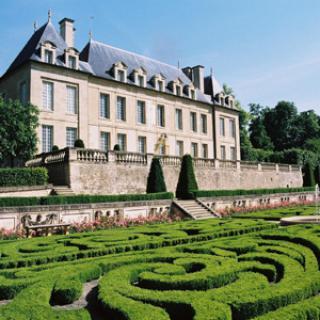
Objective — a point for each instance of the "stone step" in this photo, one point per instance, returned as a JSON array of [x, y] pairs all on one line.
[[195, 209]]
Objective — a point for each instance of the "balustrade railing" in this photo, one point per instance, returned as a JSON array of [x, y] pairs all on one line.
[[98, 156], [170, 160], [91, 155], [131, 157]]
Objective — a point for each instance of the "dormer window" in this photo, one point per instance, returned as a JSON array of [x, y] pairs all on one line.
[[160, 85], [72, 62], [159, 82], [189, 90], [231, 103], [48, 56], [71, 56], [120, 71], [192, 94], [120, 75], [141, 81], [139, 77], [48, 52], [178, 90]]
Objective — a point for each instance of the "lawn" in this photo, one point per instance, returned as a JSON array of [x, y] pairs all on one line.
[[215, 269]]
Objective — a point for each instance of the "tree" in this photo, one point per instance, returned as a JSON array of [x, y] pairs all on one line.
[[308, 177], [280, 124], [156, 182], [258, 133], [306, 127], [18, 137], [187, 181]]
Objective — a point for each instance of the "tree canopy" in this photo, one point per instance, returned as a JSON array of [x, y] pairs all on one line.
[[18, 123]]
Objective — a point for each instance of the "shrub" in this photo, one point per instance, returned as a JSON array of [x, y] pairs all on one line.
[[23, 177], [79, 143], [80, 199], [241, 192], [156, 181], [55, 148], [116, 147], [187, 180], [308, 177]]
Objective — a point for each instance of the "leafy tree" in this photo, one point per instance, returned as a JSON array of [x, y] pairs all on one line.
[[306, 127], [313, 145], [258, 133], [18, 137], [156, 182], [187, 181], [308, 177], [280, 125], [79, 143]]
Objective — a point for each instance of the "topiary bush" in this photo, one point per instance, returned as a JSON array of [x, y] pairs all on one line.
[[55, 148], [79, 144], [116, 147], [156, 182], [187, 181]]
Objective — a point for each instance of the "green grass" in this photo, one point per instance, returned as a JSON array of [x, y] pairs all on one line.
[[230, 269]]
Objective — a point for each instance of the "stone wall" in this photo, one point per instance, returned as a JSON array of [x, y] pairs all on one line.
[[95, 172], [27, 191]]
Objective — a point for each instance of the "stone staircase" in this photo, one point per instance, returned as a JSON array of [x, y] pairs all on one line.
[[62, 191], [195, 209]]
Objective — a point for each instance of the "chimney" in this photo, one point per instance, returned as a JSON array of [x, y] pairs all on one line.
[[67, 31], [198, 77]]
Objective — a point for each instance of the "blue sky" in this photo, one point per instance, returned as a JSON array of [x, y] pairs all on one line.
[[266, 50]]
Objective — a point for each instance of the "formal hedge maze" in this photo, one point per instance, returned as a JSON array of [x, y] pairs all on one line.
[[217, 269]]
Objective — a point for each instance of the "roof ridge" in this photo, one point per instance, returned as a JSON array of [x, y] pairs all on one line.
[[137, 54]]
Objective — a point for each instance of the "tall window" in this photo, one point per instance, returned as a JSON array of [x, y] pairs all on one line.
[[104, 106], [72, 99], [23, 92], [121, 108], [233, 154], [160, 116], [162, 149], [122, 141], [141, 112], [47, 95], [105, 141], [232, 128], [48, 56], [222, 127], [204, 125], [71, 137], [193, 121], [204, 151], [47, 138], [72, 62], [223, 152], [179, 148], [142, 144], [179, 125], [194, 149], [121, 75]]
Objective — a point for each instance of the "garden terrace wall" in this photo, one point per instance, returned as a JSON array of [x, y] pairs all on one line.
[[251, 201], [10, 217], [89, 171]]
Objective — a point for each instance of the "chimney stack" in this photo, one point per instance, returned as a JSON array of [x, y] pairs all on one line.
[[198, 77], [67, 31]]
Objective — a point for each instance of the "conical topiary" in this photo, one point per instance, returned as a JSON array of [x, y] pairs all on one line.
[[156, 181], [187, 181], [308, 177]]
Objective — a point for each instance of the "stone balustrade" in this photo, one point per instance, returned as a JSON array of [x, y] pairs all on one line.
[[100, 157]]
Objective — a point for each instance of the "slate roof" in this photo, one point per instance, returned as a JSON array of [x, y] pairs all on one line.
[[98, 59]]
